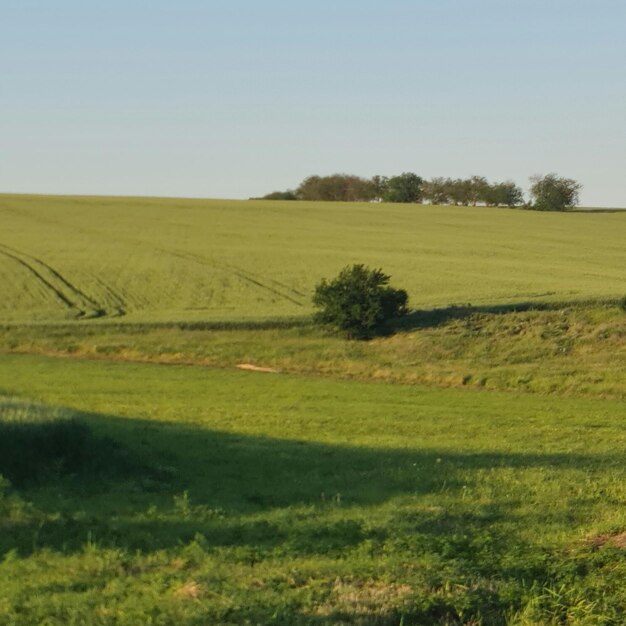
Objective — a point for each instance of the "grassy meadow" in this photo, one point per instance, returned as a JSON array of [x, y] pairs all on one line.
[[246, 498], [465, 468]]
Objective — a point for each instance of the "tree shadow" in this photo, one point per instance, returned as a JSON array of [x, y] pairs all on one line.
[[429, 318], [599, 211], [234, 490]]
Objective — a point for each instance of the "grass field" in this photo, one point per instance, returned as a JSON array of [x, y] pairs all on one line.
[[269, 499], [467, 468], [573, 349], [149, 259]]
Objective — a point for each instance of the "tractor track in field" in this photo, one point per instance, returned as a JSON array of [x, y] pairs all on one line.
[[270, 285], [59, 295], [278, 284], [63, 290], [119, 303], [278, 290]]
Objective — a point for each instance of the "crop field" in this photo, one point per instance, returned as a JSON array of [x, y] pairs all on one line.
[[161, 260], [466, 468]]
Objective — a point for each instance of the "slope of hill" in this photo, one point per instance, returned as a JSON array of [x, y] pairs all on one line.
[[139, 259]]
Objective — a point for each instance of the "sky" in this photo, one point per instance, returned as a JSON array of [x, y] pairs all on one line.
[[237, 98]]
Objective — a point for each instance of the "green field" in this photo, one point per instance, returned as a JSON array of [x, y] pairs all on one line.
[[467, 468], [265, 499], [155, 260]]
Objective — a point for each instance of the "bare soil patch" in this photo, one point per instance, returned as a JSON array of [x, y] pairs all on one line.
[[256, 368]]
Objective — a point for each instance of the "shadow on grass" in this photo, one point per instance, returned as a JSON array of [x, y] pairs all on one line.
[[235, 490], [95, 327], [39, 444], [429, 318], [599, 211]]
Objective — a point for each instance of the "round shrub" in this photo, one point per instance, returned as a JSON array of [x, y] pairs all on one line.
[[358, 301]]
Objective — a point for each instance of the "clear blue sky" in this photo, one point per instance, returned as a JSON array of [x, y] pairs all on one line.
[[236, 98]]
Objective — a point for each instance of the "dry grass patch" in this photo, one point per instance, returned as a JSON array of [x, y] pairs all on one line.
[[189, 591], [614, 540], [372, 598]]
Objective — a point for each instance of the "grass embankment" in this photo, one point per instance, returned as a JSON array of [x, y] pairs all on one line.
[[280, 499], [575, 349]]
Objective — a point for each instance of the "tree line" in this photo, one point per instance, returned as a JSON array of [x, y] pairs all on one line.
[[547, 193]]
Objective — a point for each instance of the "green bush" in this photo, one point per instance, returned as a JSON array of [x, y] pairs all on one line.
[[358, 301]]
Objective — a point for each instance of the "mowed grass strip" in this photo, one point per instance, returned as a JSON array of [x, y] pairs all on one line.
[[287, 500], [148, 259]]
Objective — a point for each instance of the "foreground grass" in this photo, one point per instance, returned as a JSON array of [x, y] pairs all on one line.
[[568, 348], [274, 499]]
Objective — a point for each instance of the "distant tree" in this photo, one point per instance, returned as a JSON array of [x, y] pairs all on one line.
[[315, 188], [359, 189], [504, 194], [436, 190], [510, 194], [458, 191], [554, 193], [358, 301], [379, 186], [477, 190], [279, 195], [407, 187], [336, 187]]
